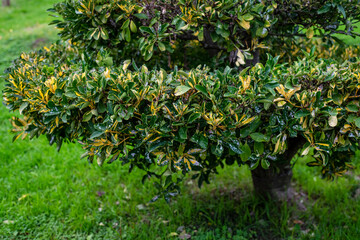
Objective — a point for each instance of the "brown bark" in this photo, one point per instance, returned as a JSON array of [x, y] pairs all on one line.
[[6, 3], [275, 182], [208, 44]]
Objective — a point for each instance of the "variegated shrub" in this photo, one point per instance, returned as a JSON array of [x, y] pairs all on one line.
[[173, 116], [195, 120]]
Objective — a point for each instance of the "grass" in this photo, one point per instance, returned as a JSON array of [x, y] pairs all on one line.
[[49, 195], [23, 27]]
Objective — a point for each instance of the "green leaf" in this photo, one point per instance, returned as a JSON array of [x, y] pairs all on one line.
[[133, 27], [182, 89], [127, 34], [259, 147], [193, 117], [96, 34], [224, 33], [218, 150], [236, 148], [183, 132], [259, 137], [200, 139], [148, 55], [246, 152], [156, 145], [87, 116], [98, 8], [265, 164], [141, 16], [351, 118], [341, 10], [302, 113], [324, 9], [357, 122], [333, 112], [248, 17], [201, 89], [201, 35], [352, 108], [261, 32], [244, 132], [145, 29], [126, 24], [214, 36], [93, 34], [96, 134], [254, 165], [104, 34], [203, 142], [161, 46]]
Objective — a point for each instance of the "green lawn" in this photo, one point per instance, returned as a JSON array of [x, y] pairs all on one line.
[[49, 195], [23, 27]]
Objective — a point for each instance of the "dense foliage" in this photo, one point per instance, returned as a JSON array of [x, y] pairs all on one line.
[[168, 120], [196, 120], [231, 30], [294, 50]]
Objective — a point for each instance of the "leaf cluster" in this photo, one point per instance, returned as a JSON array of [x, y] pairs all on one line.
[[296, 49], [232, 29]]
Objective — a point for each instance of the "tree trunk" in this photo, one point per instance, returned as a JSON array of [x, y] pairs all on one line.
[[6, 3], [275, 182]]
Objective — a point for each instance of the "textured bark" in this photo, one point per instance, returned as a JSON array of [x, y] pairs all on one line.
[[272, 183], [275, 182], [208, 44], [6, 3]]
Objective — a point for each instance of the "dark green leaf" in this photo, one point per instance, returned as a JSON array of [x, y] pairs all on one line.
[[246, 152], [259, 137], [302, 113], [193, 117], [201, 89], [96, 134]]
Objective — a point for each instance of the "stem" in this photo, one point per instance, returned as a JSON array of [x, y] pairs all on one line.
[[275, 181]]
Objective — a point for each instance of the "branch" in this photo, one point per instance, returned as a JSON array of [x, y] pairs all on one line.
[[294, 145]]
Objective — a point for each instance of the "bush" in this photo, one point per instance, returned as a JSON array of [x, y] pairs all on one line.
[[170, 121]]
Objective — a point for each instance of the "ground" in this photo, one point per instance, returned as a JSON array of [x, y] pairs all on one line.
[[49, 195]]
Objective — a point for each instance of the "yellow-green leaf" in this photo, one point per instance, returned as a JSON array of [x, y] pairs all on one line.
[[310, 33], [161, 46], [244, 24], [180, 90], [133, 27]]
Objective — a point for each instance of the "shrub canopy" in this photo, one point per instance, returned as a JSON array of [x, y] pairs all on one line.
[[196, 120], [168, 120]]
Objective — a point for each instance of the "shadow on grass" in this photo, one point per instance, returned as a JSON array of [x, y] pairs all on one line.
[[231, 213]]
